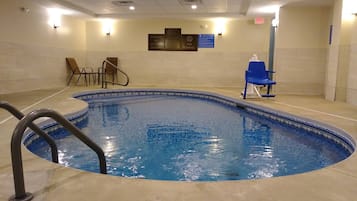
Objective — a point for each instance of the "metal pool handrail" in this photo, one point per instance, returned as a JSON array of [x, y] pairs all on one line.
[[105, 82], [16, 157], [16, 113]]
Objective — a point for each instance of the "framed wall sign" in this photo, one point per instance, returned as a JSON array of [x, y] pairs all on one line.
[[206, 41], [173, 40]]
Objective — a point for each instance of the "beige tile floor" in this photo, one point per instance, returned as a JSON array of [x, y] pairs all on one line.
[[51, 182]]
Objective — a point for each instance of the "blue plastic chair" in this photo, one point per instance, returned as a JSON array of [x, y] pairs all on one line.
[[257, 75]]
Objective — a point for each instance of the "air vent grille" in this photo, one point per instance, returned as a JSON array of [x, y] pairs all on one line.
[[190, 2], [123, 3]]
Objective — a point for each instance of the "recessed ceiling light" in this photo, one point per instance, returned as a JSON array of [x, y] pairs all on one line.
[[131, 7], [194, 6]]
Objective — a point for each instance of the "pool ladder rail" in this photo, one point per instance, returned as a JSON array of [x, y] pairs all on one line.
[[19, 115], [27, 121], [103, 74]]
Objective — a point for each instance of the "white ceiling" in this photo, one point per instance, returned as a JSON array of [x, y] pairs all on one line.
[[180, 8]]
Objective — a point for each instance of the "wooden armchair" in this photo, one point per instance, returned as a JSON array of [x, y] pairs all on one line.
[[86, 72]]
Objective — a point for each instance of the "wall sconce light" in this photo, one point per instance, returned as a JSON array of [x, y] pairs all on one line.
[[55, 18], [220, 26], [349, 9], [107, 32], [272, 9], [275, 21], [55, 26], [107, 27]]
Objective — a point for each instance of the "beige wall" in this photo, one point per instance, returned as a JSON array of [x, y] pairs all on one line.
[[352, 70], [223, 65], [31, 52], [301, 49], [333, 52], [343, 60], [341, 82]]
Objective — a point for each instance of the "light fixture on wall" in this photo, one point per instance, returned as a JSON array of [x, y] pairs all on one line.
[[107, 31], [107, 25], [349, 9], [271, 9], [56, 25], [55, 17], [220, 26], [275, 21]]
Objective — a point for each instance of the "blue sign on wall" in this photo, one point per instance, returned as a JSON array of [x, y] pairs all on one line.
[[206, 41]]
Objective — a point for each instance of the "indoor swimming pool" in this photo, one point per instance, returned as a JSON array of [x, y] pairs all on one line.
[[193, 136]]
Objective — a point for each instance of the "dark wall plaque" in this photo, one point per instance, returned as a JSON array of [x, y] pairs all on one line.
[[172, 40], [156, 42], [189, 42]]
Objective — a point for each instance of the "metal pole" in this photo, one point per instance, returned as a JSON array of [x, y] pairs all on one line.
[[16, 113], [271, 50], [16, 156], [271, 54], [103, 74], [105, 83]]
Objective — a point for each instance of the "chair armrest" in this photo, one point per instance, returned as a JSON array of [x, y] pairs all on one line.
[[269, 71]]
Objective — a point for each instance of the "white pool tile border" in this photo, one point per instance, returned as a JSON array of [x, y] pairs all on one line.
[[50, 125]]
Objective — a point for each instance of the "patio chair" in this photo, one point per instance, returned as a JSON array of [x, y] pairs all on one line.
[[71, 62], [257, 75]]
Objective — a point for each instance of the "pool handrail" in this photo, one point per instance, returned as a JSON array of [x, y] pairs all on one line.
[[105, 82], [19, 115], [16, 157]]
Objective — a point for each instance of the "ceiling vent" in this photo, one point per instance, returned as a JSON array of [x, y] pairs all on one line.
[[123, 3], [190, 2]]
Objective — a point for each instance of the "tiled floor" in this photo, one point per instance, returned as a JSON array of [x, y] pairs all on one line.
[[48, 181]]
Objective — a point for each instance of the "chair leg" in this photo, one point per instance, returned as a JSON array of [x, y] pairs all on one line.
[[245, 90], [98, 77], [268, 95], [85, 79], [113, 79], [70, 79], [78, 78], [268, 91], [88, 79], [257, 91]]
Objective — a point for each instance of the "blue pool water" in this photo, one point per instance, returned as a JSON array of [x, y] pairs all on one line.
[[189, 139]]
